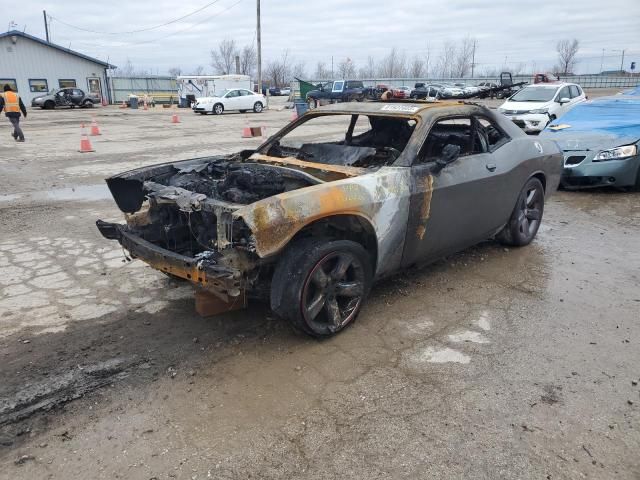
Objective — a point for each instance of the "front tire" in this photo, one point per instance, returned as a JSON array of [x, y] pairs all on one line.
[[218, 108], [257, 107], [88, 104], [319, 284], [526, 217]]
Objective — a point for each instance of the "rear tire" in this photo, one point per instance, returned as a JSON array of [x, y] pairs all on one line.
[[257, 107], [312, 103], [319, 284], [88, 104], [526, 217]]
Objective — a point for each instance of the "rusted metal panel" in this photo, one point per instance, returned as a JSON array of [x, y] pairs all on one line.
[[382, 198]]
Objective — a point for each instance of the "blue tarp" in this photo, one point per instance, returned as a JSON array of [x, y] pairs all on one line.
[[617, 116]]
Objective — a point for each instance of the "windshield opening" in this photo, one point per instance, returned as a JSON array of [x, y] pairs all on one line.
[[350, 140], [536, 94]]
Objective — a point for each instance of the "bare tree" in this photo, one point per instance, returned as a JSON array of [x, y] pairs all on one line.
[[278, 71], [175, 71], [446, 60], [393, 65], [299, 70], [464, 57], [248, 60], [198, 70], [321, 73], [417, 67], [129, 70], [346, 68], [223, 58], [567, 50], [369, 69]]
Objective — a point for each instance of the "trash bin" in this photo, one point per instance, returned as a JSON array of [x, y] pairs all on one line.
[[133, 102], [301, 106]]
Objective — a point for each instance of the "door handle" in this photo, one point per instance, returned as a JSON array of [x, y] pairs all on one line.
[[491, 167]]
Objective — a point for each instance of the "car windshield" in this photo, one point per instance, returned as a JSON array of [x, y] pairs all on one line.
[[346, 139], [536, 94]]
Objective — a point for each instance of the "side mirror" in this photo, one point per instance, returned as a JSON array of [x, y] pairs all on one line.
[[450, 154], [564, 100]]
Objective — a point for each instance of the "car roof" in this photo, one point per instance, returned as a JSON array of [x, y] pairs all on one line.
[[550, 85], [394, 108]]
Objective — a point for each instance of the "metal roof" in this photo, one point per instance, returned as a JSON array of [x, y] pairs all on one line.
[[17, 33], [391, 107]]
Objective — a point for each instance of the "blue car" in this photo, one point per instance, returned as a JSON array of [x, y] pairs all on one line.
[[600, 140]]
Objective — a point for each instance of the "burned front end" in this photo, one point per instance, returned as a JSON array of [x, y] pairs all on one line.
[[180, 219]]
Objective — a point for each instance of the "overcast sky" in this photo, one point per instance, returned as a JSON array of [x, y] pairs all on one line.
[[507, 32]]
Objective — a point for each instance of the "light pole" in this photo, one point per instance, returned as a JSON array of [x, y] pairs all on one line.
[[259, 42]]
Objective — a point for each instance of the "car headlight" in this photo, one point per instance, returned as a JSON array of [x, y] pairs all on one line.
[[617, 153], [540, 110]]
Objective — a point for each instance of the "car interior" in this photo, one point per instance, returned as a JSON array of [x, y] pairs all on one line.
[[366, 141]]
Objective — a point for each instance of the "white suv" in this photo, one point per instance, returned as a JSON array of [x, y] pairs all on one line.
[[534, 106]]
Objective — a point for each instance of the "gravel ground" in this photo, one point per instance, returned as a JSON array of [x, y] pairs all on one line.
[[493, 363]]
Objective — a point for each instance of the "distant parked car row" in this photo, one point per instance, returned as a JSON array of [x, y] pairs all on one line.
[[279, 91]]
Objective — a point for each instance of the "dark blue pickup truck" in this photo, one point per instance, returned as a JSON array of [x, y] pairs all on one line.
[[336, 91]]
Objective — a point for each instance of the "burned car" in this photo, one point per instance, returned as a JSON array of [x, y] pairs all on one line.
[[343, 196]]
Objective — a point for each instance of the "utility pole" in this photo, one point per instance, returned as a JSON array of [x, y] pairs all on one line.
[[237, 64], [331, 67], [473, 58], [602, 61], [259, 41], [46, 25], [622, 62]]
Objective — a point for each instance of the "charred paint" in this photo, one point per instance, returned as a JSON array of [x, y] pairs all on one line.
[[426, 185]]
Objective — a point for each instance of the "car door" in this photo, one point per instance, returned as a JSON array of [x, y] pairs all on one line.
[[232, 100], [247, 99], [76, 96], [462, 204], [576, 95], [564, 107]]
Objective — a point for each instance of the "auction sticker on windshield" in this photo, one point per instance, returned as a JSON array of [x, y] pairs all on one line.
[[399, 108]]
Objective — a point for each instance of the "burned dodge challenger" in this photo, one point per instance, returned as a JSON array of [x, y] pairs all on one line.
[[343, 196]]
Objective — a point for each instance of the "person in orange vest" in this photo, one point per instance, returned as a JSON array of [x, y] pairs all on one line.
[[12, 104]]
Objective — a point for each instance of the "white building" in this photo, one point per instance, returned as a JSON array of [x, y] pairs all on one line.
[[33, 66]]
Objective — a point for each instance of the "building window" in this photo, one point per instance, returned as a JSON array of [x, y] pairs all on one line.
[[8, 81], [38, 85], [67, 83]]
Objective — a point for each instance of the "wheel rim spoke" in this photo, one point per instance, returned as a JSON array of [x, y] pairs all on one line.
[[341, 267], [348, 289], [333, 311], [530, 197], [533, 214], [315, 306], [320, 278]]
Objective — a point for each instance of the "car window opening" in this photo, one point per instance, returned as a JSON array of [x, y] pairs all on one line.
[[366, 141]]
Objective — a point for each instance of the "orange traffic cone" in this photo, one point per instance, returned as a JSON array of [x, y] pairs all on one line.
[[145, 106], [85, 144], [263, 133], [246, 130], [175, 118], [104, 102], [95, 130], [294, 114], [124, 105]]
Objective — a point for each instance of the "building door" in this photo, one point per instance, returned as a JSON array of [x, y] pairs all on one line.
[[94, 86]]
